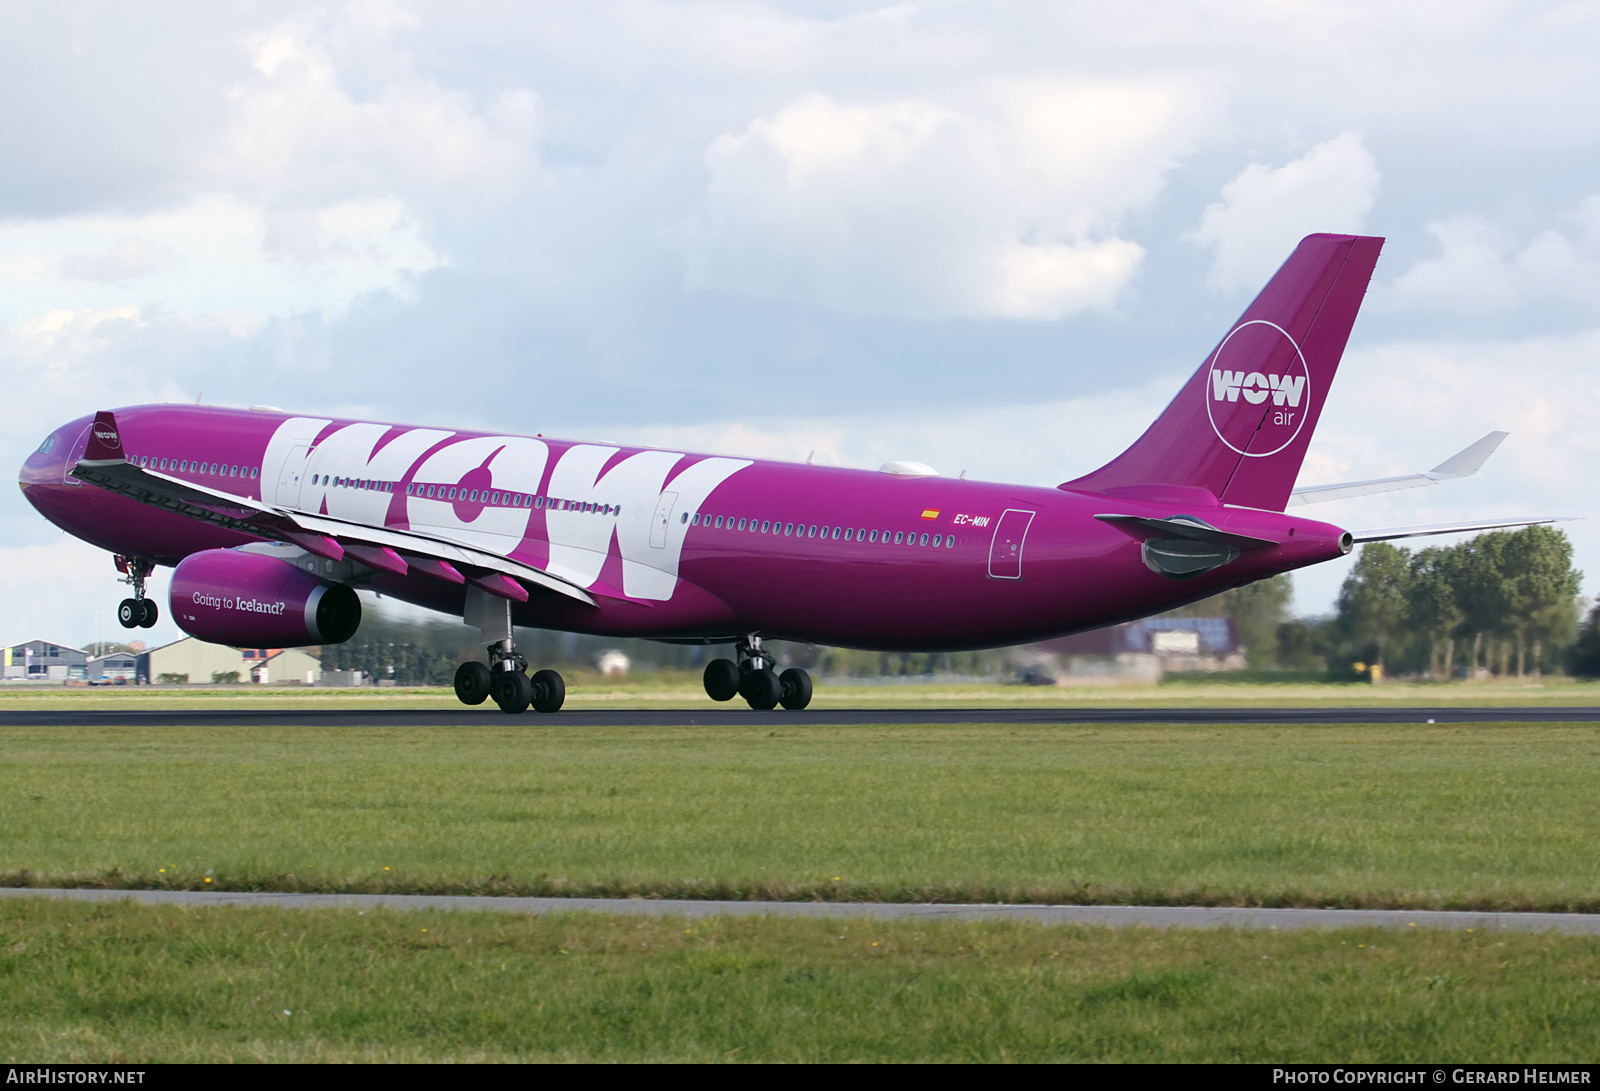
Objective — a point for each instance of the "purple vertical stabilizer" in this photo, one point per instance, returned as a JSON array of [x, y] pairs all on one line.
[[1240, 426]]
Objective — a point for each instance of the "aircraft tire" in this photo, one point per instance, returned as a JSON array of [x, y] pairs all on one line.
[[512, 691], [549, 691], [761, 689], [794, 687], [128, 613], [472, 683], [722, 680], [149, 613]]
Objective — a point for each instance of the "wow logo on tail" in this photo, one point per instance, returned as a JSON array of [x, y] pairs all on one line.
[[1259, 389]]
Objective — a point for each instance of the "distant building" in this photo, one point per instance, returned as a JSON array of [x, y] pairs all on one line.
[[283, 666], [191, 661], [42, 661], [113, 667], [1150, 647]]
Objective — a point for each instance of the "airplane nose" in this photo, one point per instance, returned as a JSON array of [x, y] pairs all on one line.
[[49, 462]]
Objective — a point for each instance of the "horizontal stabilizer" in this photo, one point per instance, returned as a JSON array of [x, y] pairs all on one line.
[[1386, 534], [1463, 464], [1180, 526]]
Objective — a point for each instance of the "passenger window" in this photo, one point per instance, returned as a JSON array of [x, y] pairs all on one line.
[[923, 540], [899, 536], [741, 524], [849, 534], [788, 528], [872, 536], [254, 470], [452, 494], [949, 541], [836, 534], [765, 526]]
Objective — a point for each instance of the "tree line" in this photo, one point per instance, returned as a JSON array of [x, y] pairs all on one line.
[[1501, 604]]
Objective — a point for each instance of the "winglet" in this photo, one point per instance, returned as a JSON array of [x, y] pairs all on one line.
[[105, 442], [1470, 461]]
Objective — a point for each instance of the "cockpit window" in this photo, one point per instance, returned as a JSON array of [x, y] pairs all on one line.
[[48, 444]]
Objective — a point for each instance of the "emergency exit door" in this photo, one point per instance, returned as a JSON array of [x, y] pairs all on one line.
[[1005, 552]]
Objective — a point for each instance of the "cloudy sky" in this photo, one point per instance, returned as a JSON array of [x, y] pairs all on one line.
[[989, 236]]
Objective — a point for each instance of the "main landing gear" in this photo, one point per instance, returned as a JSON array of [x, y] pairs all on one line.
[[756, 680], [137, 612], [505, 678]]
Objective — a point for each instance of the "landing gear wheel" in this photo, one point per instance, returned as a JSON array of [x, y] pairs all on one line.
[[512, 691], [149, 613], [761, 689], [549, 691], [722, 680], [794, 687], [129, 613], [472, 683]]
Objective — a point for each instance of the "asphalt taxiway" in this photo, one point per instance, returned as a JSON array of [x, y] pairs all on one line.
[[1114, 916], [739, 717]]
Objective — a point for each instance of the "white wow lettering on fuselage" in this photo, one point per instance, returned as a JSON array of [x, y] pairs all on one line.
[[635, 503]]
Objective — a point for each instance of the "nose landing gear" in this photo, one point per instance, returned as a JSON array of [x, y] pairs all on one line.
[[137, 612], [755, 679]]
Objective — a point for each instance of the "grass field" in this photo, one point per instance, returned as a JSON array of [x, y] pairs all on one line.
[[1416, 816], [124, 983], [676, 690]]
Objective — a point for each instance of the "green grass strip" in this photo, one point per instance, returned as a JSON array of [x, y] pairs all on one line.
[[128, 984], [1487, 817]]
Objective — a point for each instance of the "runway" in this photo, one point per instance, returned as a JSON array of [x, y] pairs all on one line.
[[736, 717], [1113, 916]]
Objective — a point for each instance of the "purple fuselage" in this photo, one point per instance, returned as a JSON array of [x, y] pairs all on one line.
[[680, 546]]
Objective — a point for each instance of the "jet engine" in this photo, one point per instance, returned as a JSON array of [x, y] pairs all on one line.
[[229, 596]]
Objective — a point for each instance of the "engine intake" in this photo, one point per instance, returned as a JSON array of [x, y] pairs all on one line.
[[228, 596]]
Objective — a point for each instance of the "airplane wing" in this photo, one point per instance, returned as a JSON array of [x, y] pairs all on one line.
[[382, 548], [1463, 464], [1386, 534]]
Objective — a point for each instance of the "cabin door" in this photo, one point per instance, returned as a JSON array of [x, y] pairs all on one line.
[[1005, 552], [663, 518], [294, 472]]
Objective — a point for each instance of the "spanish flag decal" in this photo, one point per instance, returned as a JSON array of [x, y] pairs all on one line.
[[931, 513]]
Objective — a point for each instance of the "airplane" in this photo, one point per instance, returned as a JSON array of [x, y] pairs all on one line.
[[271, 520]]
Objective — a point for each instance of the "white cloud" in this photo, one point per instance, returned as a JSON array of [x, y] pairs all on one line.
[[1008, 201], [296, 128], [1481, 267], [1266, 210], [214, 255]]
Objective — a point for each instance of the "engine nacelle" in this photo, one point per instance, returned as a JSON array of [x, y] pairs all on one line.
[[228, 596]]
